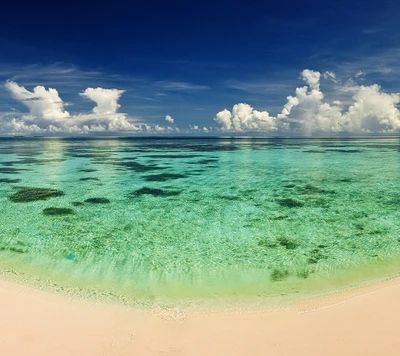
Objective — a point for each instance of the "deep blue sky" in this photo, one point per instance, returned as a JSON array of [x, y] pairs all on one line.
[[220, 53]]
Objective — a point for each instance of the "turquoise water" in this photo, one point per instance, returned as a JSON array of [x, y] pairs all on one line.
[[198, 218]]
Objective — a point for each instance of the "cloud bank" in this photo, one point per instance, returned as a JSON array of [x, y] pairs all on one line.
[[48, 116], [350, 108], [371, 111]]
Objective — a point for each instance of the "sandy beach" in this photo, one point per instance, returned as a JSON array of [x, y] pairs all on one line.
[[362, 321]]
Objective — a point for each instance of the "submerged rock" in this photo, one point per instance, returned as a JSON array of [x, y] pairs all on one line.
[[88, 170], [138, 167], [290, 203], [10, 170], [279, 274], [163, 177], [97, 200], [34, 194], [156, 192], [88, 178], [57, 211], [6, 180]]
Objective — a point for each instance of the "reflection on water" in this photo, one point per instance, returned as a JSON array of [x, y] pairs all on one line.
[[198, 217]]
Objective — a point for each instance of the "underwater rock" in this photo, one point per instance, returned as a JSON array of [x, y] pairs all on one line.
[[286, 242], [205, 161], [172, 156], [228, 197], [312, 189], [279, 274], [97, 200], [163, 177], [88, 178], [13, 249], [6, 180], [290, 203], [33, 194], [315, 255], [138, 167], [10, 170], [57, 211], [87, 170], [156, 192]]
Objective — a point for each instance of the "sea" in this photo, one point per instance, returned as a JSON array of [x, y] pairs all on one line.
[[201, 218]]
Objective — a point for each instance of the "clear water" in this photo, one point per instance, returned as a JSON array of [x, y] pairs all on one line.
[[200, 218]]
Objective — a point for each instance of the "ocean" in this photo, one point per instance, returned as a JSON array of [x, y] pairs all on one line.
[[200, 218]]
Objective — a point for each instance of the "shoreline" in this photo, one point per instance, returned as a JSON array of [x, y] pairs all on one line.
[[358, 320]]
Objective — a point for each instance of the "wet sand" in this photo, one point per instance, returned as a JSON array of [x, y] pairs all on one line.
[[362, 321]]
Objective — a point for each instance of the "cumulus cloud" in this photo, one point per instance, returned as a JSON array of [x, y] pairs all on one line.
[[47, 114], [244, 118], [106, 99], [371, 110], [169, 119], [42, 103], [19, 127]]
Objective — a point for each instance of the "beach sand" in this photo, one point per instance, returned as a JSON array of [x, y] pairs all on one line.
[[361, 321]]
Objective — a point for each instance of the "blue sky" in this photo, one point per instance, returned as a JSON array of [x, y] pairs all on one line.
[[193, 60]]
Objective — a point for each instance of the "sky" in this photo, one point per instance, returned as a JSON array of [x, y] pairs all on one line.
[[210, 68]]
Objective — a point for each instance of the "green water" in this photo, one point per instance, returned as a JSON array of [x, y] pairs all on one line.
[[199, 218]]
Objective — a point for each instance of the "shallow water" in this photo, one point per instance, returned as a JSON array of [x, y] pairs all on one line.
[[199, 218]]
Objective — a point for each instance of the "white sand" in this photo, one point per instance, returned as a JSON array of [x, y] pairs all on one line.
[[359, 322]]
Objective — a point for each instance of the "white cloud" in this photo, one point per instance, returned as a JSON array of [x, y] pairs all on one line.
[[42, 103], [106, 99], [47, 114], [330, 76], [311, 78], [18, 127], [169, 119], [371, 110], [244, 118]]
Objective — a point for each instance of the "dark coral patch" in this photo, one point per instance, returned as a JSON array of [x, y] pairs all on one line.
[[343, 150], [171, 156], [10, 170], [312, 189], [163, 177], [138, 167], [286, 242], [290, 203], [6, 180], [34, 194], [97, 200], [14, 249], [279, 274], [228, 197], [87, 170], [88, 178], [315, 255], [57, 211], [156, 192], [205, 161], [213, 148], [345, 180]]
